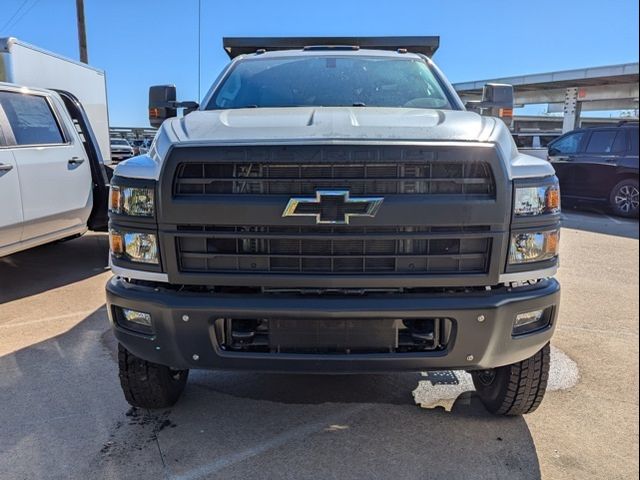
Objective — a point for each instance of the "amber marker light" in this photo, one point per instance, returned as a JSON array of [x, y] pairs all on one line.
[[116, 242]]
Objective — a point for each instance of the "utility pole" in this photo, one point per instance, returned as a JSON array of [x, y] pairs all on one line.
[[82, 31]]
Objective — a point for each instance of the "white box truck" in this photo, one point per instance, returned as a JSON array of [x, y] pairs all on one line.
[[54, 142]]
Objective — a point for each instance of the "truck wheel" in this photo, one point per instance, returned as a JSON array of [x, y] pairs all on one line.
[[625, 199], [514, 389], [149, 385]]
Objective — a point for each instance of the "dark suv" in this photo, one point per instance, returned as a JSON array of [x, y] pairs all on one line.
[[599, 164]]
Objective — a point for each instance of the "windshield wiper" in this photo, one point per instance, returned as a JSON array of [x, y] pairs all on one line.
[[358, 104]]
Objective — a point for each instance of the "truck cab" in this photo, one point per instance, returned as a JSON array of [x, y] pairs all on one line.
[[332, 207]]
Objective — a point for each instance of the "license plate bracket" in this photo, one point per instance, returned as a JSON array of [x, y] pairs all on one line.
[[333, 335]]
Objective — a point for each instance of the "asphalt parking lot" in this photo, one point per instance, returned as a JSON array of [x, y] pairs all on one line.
[[62, 414]]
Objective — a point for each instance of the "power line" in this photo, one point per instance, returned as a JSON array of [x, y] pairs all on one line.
[[199, 40], [14, 15], [24, 14]]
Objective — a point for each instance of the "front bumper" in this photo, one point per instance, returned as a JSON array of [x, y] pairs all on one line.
[[193, 344]]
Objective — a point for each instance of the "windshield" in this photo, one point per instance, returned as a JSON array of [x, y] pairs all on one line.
[[328, 81]]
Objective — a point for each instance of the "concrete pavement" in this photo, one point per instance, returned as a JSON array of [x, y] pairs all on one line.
[[62, 414]]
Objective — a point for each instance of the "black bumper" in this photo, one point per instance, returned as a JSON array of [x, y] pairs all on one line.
[[193, 343]]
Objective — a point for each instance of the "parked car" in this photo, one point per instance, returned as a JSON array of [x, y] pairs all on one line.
[[334, 209], [53, 184], [140, 145], [121, 149], [599, 164]]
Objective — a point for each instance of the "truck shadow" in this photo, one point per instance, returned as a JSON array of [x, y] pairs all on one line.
[[239, 425], [51, 266], [321, 426]]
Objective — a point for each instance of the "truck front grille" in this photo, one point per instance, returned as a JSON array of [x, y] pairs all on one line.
[[400, 177], [337, 250]]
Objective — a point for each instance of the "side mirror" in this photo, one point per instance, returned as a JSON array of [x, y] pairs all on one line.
[[497, 101], [163, 104], [162, 100]]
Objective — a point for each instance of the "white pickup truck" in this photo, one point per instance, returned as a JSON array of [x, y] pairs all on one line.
[[53, 139]]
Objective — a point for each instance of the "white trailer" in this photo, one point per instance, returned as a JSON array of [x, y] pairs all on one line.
[[30, 66]]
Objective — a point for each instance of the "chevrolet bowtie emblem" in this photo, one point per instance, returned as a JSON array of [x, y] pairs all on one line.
[[332, 206]]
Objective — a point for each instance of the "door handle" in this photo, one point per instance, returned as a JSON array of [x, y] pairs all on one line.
[[75, 161], [5, 168]]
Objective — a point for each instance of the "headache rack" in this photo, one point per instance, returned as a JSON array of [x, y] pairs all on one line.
[[235, 46]]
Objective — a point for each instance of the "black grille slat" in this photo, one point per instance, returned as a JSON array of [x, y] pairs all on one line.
[[338, 250], [402, 178]]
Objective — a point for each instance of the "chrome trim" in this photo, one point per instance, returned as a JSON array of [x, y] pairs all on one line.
[[528, 275], [372, 208], [138, 274]]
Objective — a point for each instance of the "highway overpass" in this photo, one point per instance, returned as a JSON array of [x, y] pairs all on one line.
[[612, 87]]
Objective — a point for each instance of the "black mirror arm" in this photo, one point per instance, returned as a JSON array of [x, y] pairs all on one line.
[[187, 105], [481, 104]]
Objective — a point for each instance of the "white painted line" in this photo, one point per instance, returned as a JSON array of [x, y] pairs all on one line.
[[614, 220], [563, 375]]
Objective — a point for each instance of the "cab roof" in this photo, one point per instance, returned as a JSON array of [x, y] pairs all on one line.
[[235, 46]]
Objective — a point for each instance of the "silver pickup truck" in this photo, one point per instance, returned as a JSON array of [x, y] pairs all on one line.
[[332, 207]]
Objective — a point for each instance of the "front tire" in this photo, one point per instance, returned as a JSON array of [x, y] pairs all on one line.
[[147, 384], [515, 389], [625, 198]]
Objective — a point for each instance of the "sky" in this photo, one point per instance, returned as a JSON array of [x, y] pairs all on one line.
[[145, 42]]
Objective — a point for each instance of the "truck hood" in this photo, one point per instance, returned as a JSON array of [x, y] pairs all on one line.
[[335, 123], [331, 124]]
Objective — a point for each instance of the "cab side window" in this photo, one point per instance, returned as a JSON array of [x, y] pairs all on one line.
[[633, 135], [620, 142], [567, 145], [31, 119], [606, 141], [3, 141], [4, 129]]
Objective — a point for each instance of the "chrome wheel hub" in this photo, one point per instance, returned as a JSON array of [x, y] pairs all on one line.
[[627, 198]]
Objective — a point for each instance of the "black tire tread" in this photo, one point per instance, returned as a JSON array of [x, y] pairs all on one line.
[[522, 385], [147, 384]]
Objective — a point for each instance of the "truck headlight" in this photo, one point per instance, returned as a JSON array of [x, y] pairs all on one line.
[[537, 199], [528, 247], [135, 246], [134, 201]]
